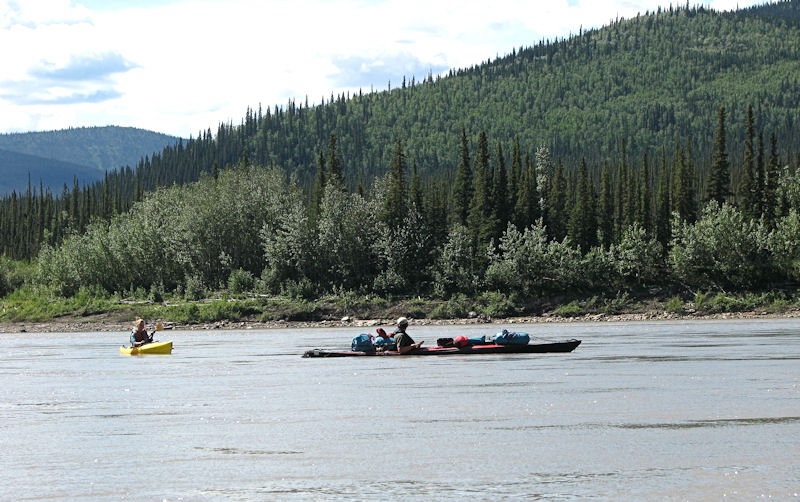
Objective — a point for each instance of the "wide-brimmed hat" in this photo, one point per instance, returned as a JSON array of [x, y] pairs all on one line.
[[402, 321]]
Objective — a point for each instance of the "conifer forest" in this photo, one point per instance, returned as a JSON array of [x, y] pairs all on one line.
[[656, 154]]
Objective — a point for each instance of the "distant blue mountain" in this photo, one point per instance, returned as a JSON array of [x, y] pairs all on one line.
[[16, 167], [56, 157]]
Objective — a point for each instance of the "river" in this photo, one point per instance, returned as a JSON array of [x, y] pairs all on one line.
[[700, 410]]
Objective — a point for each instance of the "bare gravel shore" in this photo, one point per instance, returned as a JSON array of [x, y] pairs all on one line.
[[103, 324]]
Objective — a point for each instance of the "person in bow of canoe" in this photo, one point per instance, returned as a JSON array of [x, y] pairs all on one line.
[[139, 335], [405, 343]]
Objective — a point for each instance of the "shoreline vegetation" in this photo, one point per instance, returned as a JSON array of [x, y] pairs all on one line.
[[476, 197], [275, 313]]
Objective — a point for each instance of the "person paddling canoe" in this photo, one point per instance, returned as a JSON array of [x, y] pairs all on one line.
[[139, 335], [405, 343]]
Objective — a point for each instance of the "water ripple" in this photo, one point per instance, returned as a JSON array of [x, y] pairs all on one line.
[[722, 422]]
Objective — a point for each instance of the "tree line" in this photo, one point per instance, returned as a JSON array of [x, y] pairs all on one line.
[[656, 79], [519, 222]]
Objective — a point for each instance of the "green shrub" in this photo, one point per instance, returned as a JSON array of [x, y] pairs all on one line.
[[240, 281], [156, 293], [498, 305], [13, 274], [456, 307], [5, 288], [572, 309], [722, 249], [777, 305], [295, 310], [700, 301], [440, 311], [724, 303], [617, 305], [303, 289], [674, 305], [195, 290], [348, 298], [29, 303], [185, 313]]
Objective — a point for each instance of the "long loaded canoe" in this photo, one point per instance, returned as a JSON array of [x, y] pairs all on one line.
[[536, 347], [149, 348]]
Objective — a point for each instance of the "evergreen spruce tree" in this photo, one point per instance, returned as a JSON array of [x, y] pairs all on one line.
[[557, 203], [319, 190], [571, 182], [629, 193], [334, 164], [27, 232], [521, 201], [415, 191], [105, 211], [544, 172], [761, 176], [435, 204], [619, 203], [463, 184], [628, 198], [693, 190], [749, 191], [516, 172], [535, 197], [663, 231], [645, 210], [12, 239], [42, 211], [771, 183], [683, 199], [582, 227], [526, 209], [501, 213], [395, 208], [74, 206], [606, 218], [719, 178], [481, 221]]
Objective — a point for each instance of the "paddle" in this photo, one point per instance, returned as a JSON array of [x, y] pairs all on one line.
[[159, 327]]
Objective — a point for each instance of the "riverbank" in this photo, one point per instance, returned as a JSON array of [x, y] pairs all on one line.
[[112, 323]]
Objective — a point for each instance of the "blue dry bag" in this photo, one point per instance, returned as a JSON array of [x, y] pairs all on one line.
[[509, 338], [362, 343], [387, 342]]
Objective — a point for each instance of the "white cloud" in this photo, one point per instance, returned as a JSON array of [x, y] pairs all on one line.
[[186, 66]]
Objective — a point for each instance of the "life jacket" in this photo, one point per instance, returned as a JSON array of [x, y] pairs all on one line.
[[141, 336]]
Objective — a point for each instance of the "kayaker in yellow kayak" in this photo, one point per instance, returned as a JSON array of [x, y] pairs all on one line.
[[139, 335]]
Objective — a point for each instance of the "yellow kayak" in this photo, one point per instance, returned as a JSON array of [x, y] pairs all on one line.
[[149, 348]]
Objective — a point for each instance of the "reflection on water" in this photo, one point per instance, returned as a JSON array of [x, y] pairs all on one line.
[[676, 410], [727, 422]]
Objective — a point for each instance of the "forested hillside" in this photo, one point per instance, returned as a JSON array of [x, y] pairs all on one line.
[[56, 157], [657, 153], [654, 80], [16, 169]]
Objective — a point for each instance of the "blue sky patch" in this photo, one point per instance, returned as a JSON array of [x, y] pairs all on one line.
[[358, 71], [91, 67]]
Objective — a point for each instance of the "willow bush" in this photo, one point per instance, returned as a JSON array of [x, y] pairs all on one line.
[[203, 230]]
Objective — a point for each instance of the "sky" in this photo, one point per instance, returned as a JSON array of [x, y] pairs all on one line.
[[179, 67]]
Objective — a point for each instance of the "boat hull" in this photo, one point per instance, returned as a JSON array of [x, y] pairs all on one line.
[[150, 348], [531, 348]]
